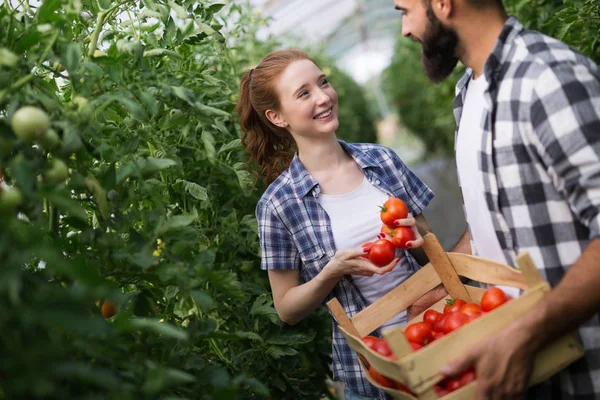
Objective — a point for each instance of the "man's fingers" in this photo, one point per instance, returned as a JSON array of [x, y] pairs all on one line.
[[460, 364]]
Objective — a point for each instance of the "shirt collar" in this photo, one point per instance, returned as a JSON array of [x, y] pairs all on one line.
[[303, 181], [491, 68]]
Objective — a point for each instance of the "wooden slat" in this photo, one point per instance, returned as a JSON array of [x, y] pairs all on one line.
[[444, 268], [340, 316], [397, 342], [396, 300], [529, 270], [486, 271]]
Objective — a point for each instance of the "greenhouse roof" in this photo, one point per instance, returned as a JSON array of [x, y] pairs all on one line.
[[359, 34]]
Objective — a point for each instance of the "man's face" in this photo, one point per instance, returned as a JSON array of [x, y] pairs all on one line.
[[438, 42]]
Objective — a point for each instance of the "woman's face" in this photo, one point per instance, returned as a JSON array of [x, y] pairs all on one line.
[[307, 102]]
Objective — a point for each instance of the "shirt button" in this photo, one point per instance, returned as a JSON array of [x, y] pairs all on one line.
[[377, 182]]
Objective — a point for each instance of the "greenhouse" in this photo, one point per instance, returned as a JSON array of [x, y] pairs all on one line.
[[299, 200]]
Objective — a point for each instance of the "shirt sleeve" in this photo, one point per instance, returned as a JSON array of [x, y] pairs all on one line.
[[278, 251], [565, 122], [418, 193]]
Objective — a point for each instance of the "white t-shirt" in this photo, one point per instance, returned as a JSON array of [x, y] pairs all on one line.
[[468, 149], [355, 220]]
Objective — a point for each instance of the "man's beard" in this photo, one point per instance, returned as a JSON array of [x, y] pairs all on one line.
[[438, 55]]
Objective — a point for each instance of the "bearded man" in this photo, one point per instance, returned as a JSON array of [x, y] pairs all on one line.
[[528, 159]]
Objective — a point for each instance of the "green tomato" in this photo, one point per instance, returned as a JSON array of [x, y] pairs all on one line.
[[30, 123], [51, 139], [58, 172], [84, 109], [10, 199]]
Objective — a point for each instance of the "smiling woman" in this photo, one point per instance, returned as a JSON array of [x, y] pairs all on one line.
[[323, 200]]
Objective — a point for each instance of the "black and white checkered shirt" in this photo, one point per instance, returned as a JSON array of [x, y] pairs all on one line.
[[540, 164]]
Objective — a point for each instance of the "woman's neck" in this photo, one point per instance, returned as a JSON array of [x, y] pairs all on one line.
[[319, 157]]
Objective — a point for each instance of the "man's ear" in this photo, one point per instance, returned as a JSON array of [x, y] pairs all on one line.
[[443, 9], [276, 118]]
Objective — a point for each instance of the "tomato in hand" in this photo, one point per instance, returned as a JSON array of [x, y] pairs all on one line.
[[493, 298], [382, 252], [370, 341], [431, 317], [386, 230], [419, 332], [392, 210], [454, 321], [401, 236], [471, 309], [453, 305]]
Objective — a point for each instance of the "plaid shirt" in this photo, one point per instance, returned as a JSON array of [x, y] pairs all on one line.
[[540, 164], [295, 233]]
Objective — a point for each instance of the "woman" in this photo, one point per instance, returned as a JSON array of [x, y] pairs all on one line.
[[322, 202]]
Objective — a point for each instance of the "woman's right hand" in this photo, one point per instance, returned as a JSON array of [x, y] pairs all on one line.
[[353, 262]]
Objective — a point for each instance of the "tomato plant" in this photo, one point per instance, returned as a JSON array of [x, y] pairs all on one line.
[[382, 252], [392, 210]]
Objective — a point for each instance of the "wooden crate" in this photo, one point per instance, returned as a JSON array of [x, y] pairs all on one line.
[[419, 370]]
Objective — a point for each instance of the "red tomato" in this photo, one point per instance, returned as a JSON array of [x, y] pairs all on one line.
[[439, 324], [382, 252], [382, 380], [402, 235], [402, 387], [453, 305], [381, 347], [386, 230], [437, 335], [392, 210], [493, 298], [471, 309], [431, 317], [370, 341], [440, 390], [454, 321], [453, 384], [467, 377], [415, 346], [419, 332]]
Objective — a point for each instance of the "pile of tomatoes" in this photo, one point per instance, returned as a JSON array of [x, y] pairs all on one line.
[[381, 252], [435, 325]]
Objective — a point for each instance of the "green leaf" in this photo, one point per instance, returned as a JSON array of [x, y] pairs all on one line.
[[46, 12], [281, 351], [175, 223], [209, 146], [244, 177], [197, 191], [161, 52], [71, 56], [154, 325], [66, 204], [179, 11], [211, 111], [8, 58], [160, 378], [263, 306], [90, 375], [291, 339], [235, 144], [204, 300]]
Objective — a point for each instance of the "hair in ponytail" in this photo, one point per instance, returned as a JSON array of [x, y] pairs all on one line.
[[266, 144]]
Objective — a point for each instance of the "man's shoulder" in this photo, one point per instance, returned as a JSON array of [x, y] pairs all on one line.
[[536, 53]]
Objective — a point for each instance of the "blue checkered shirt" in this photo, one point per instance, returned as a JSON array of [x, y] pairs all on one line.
[[540, 166], [295, 233]]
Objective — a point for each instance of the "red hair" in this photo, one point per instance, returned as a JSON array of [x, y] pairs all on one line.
[[266, 144]]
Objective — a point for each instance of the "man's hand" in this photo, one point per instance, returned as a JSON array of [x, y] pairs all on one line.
[[503, 364], [426, 301]]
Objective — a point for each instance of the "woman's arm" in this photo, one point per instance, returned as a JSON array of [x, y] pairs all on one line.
[[295, 301]]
